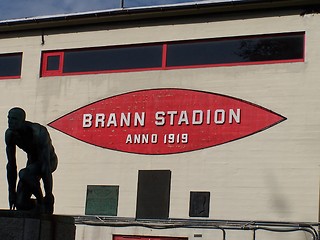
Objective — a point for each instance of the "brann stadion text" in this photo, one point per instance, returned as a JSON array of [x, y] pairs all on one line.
[[161, 119]]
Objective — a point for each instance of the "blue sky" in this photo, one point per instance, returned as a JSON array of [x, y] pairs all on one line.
[[13, 9]]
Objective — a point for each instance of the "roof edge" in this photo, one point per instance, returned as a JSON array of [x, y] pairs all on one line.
[[124, 14]]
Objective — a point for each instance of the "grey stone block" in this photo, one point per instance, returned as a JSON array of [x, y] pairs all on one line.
[[20, 225]]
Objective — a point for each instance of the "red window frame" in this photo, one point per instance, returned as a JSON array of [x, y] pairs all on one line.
[[9, 77], [137, 237], [59, 72], [48, 73]]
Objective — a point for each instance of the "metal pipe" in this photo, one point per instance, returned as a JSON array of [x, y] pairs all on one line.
[[223, 225]]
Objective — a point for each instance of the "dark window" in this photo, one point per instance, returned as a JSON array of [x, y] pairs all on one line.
[[199, 204], [10, 65], [112, 59], [238, 50], [102, 200], [53, 63], [153, 194]]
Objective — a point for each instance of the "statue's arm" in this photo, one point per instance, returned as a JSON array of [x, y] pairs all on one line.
[[11, 168], [44, 153]]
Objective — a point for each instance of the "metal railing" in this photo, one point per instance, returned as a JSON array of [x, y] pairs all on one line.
[[222, 225]]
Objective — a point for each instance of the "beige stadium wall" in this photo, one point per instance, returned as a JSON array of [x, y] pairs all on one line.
[[272, 175]]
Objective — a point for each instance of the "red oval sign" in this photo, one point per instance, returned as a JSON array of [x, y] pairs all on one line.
[[165, 121]]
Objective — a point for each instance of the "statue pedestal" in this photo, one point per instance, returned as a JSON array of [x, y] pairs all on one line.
[[21, 225]]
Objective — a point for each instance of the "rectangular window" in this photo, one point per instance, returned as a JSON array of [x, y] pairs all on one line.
[[236, 51], [52, 63], [153, 194], [199, 204], [102, 60], [98, 60], [10, 65], [102, 200], [229, 51]]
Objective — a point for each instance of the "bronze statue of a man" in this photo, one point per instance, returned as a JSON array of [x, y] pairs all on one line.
[[42, 160]]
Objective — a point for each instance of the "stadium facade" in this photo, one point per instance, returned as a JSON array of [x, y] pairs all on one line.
[[175, 122]]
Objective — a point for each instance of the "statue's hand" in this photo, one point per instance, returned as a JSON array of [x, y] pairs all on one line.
[[12, 200]]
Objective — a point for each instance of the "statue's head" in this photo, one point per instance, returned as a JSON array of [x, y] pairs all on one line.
[[16, 118]]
